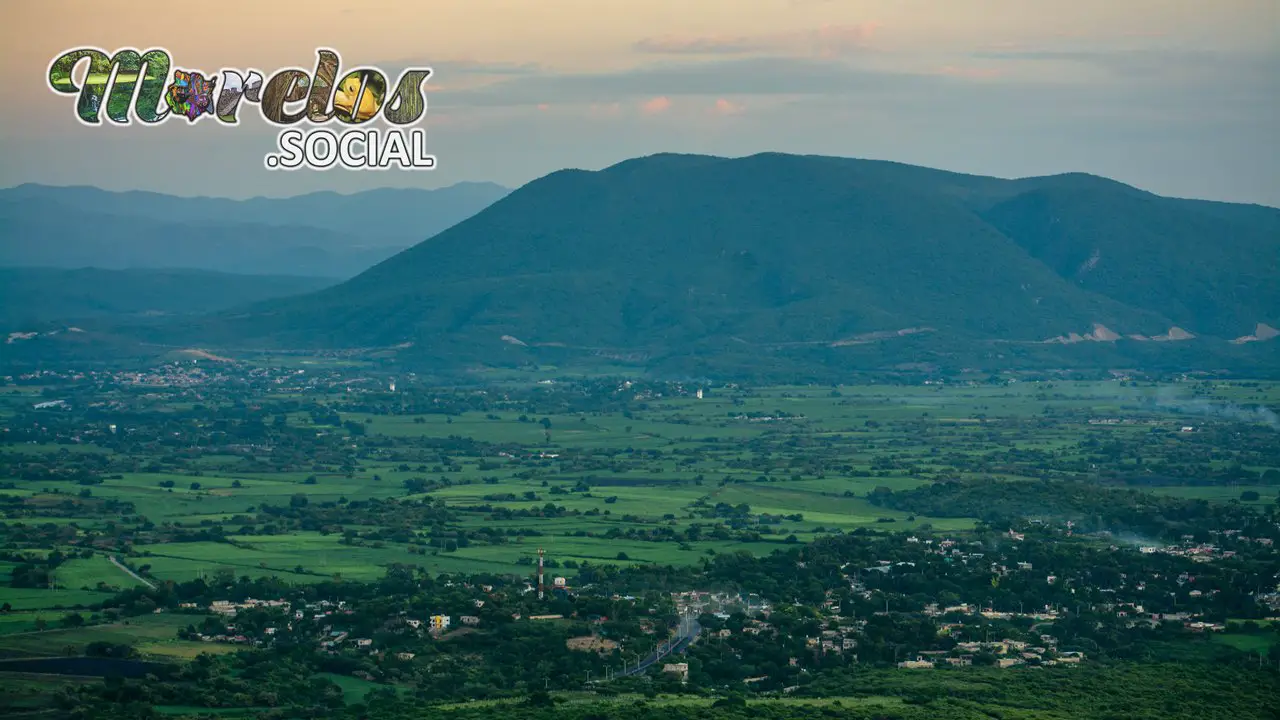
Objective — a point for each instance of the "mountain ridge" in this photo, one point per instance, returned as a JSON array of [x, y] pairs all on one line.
[[324, 234], [669, 253]]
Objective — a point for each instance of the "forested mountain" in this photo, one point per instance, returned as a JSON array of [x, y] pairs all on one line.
[[693, 256], [32, 296]]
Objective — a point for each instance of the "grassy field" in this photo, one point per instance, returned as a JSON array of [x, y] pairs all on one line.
[[156, 632], [659, 467]]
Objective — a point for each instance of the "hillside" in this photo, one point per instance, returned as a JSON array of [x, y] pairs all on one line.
[[730, 260], [320, 234], [33, 297]]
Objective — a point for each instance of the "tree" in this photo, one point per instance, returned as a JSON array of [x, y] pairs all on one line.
[[1249, 496]]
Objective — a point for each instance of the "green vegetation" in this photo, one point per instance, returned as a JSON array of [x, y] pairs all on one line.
[[34, 297], [778, 267], [273, 539]]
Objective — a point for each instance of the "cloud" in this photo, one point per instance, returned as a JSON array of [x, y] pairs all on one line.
[[827, 41], [970, 73], [726, 107], [721, 78], [459, 68], [605, 109], [656, 105], [543, 107], [1148, 62]]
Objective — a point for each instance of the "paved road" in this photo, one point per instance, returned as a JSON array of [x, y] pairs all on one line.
[[685, 634], [132, 574]]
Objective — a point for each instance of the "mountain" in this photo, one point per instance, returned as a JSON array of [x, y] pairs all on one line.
[[31, 298], [319, 234], [1211, 267], [704, 263]]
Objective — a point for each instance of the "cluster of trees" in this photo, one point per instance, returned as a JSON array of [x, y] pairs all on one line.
[[1090, 506]]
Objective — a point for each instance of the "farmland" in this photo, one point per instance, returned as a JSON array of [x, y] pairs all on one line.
[[140, 498], [595, 473]]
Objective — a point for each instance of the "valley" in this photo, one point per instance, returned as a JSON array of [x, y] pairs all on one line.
[[141, 507]]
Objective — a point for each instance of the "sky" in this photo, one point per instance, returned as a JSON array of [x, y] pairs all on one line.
[[1180, 97]]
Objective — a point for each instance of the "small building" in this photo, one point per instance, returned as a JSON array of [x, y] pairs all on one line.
[[679, 669], [440, 622], [470, 620]]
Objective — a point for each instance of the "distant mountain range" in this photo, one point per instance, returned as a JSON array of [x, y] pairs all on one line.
[[320, 234], [805, 266], [33, 297]]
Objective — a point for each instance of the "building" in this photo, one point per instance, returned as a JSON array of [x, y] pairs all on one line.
[[440, 622], [679, 669]]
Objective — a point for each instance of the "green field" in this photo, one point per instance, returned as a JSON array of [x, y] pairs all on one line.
[[805, 456], [157, 633]]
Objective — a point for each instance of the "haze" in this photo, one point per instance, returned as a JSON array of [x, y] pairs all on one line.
[[1179, 98]]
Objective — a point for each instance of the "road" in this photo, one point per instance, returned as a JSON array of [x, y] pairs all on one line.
[[687, 631], [132, 574]]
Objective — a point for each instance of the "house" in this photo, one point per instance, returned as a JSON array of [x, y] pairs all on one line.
[[470, 620], [917, 664], [1008, 662], [679, 669], [962, 661], [415, 624], [222, 607], [439, 622], [363, 642], [404, 656]]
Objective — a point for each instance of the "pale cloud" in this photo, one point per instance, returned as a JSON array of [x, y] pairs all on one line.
[[739, 76], [972, 73], [612, 109], [726, 107], [655, 106], [827, 41], [543, 107]]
